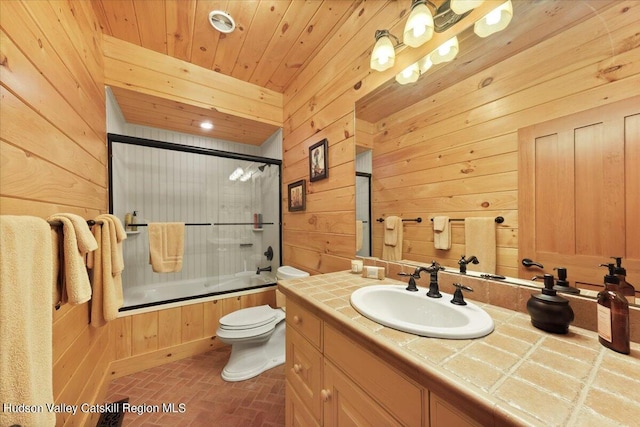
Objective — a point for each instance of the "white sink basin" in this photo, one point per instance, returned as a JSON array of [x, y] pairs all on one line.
[[416, 313]]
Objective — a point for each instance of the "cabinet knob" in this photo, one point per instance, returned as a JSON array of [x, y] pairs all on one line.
[[325, 394], [297, 320], [297, 368]]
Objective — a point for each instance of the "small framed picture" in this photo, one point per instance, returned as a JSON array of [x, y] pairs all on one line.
[[318, 168], [297, 196]]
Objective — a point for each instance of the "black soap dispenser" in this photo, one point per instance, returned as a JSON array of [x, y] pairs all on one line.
[[549, 311], [625, 288], [562, 284]]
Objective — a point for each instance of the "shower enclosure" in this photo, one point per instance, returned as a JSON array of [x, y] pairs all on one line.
[[229, 202]]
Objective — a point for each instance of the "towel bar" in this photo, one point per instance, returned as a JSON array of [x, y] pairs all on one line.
[[498, 219], [418, 220]]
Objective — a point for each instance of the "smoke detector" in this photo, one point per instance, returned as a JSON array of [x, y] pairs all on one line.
[[221, 21]]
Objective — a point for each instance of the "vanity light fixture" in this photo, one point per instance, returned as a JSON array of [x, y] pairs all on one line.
[[462, 6], [383, 55], [494, 21], [206, 125], [446, 51], [419, 27], [409, 74]]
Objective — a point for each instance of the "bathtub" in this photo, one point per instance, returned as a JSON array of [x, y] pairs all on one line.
[[169, 292]]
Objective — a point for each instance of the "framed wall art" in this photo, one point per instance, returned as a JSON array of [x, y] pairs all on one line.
[[297, 196], [318, 168]]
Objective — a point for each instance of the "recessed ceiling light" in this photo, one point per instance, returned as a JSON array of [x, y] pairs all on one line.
[[206, 125], [221, 21]]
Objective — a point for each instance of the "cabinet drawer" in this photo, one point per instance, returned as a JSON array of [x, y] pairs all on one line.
[[307, 324], [396, 393], [303, 365]]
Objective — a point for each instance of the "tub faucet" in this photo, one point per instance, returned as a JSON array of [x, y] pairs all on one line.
[[463, 263], [263, 269]]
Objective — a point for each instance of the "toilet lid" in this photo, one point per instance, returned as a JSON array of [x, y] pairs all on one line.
[[248, 318]]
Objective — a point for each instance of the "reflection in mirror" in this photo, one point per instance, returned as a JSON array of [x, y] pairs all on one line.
[[363, 214], [448, 145], [363, 204]]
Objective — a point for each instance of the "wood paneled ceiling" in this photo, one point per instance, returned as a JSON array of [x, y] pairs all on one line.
[[274, 39], [271, 42]]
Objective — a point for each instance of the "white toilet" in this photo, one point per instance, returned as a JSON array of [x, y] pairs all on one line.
[[256, 336]]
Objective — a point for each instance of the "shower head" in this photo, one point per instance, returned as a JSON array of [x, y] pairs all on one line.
[[261, 168]]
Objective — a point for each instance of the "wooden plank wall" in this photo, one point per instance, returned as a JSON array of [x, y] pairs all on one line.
[[455, 153], [145, 340], [320, 104], [53, 158]]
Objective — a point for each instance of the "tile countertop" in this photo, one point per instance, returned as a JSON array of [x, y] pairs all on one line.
[[518, 373]]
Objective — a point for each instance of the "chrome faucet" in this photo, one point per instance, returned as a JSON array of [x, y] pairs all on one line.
[[263, 269], [463, 263]]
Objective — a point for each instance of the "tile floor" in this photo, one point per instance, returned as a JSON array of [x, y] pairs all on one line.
[[207, 400]]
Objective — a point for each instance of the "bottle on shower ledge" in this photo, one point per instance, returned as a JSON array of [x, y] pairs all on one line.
[[134, 219], [613, 315], [624, 287]]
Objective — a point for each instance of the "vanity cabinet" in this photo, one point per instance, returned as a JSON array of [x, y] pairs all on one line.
[[444, 415], [332, 381], [303, 364]]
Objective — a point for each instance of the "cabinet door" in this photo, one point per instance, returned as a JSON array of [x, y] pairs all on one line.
[[578, 187], [444, 415], [345, 404], [303, 365], [296, 413]]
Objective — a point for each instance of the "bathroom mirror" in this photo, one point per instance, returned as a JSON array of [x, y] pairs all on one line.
[[448, 144]]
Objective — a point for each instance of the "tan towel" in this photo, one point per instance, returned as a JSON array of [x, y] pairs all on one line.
[[106, 266], [26, 373], [480, 240], [441, 232], [76, 241], [392, 247], [359, 225], [391, 229], [166, 246]]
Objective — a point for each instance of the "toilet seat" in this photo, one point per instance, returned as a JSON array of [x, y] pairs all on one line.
[[253, 322], [248, 318]]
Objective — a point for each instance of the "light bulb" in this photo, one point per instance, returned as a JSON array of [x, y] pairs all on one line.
[[445, 52], [383, 54], [463, 6], [494, 21], [419, 27], [409, 74], [425, 64]]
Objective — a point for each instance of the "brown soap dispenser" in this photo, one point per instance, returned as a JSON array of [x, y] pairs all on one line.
[[625, 288], [613, 315], [549, 311]]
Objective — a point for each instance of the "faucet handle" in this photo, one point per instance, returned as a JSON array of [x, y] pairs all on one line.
[[412, 284], [458, 298]]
